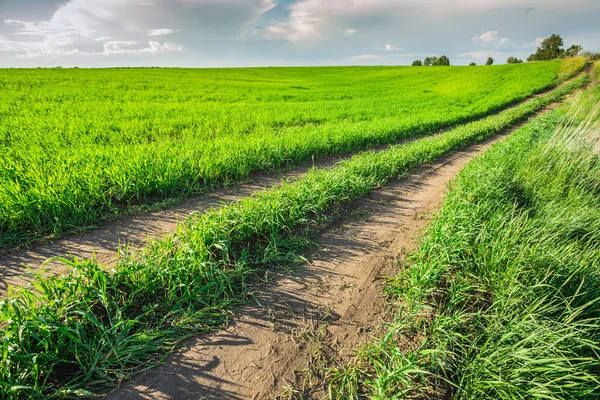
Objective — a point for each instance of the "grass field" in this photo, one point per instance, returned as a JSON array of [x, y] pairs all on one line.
[[502, 298], [80, 146], [93, 328]]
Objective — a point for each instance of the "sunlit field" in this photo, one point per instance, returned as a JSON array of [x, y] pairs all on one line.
[[80, 146], [93, 326]]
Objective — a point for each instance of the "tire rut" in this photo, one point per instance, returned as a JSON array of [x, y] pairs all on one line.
[[336, 298]]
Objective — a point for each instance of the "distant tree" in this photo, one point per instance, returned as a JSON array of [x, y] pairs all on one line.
[[489, 61], [433, 60], [549, 49], [427, 61], [417, 63], [443, 60], [472, 64], [514, 60], [573, 51]]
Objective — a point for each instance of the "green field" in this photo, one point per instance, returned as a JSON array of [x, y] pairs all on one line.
[[505, 285], [94, 327], [80, 146]]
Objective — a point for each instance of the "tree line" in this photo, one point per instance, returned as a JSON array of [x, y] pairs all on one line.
[[550, 48], [431, 61]]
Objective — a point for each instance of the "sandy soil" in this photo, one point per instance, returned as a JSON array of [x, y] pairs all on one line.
[[324, 309]]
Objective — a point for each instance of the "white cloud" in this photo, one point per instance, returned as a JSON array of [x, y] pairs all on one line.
[[536, 43], [109, 48], [350, 32], [389, 47], [313, 19], [161, 32], [81, 26], [126, 47], [492, 39]]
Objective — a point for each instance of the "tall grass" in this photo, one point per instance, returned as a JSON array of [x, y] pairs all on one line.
[[80, 146], [570, 66], [93, 327], [505, 287]]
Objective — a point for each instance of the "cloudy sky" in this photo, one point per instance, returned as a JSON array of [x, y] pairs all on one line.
[[210, 33]]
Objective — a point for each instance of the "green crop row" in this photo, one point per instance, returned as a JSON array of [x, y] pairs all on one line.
[[505, 286], [94, 328], [80, 146]]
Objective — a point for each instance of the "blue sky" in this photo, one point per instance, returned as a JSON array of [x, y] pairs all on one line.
[[215, 33]]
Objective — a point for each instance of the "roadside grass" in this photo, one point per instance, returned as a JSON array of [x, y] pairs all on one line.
[[502, 299], [83, 146], [570, 66], [92, 328]]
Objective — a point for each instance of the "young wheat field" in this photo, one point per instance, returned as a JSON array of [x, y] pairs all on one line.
[[498, 299], [80, 146]]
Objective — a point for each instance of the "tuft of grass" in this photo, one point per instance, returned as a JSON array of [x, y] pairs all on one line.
[[502, 299], [92, 328], [571, 66]]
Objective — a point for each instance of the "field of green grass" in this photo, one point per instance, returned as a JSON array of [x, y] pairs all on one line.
[[80, 146], [94, 327], [502, 299]]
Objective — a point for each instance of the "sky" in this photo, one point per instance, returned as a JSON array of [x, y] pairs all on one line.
[[242, 33]]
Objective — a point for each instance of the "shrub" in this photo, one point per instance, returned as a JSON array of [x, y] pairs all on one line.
[[513, 60]]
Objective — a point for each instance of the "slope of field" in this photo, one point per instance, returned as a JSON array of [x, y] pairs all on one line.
[[502, 300], [94, 327], [85, 145]]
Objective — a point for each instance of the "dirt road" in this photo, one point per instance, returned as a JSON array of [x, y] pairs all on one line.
[[327, 307]]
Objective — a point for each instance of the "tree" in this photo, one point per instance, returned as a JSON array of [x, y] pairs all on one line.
[[433, 60], [489, 61], [574, 50], [549, 49], [514, 60], [472, 64], [443, 60], [417, 63], [427, 61]]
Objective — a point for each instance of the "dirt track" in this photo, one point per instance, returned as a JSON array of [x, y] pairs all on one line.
[[329, 305]]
